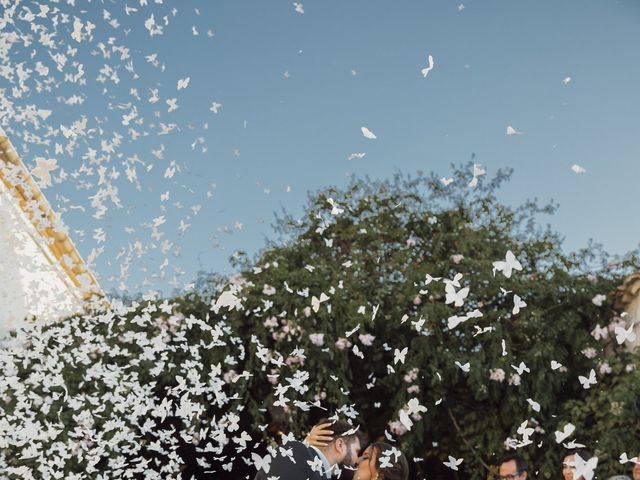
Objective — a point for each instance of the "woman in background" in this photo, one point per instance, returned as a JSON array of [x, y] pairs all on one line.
[[569, 463]]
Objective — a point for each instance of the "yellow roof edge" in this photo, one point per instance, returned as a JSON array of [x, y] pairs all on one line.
[[60, 244]]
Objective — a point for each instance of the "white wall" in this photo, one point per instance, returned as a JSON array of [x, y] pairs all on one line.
[[30, 281]]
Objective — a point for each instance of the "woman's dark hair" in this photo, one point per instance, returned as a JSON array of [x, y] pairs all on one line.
[[582, 452], [397, 467]]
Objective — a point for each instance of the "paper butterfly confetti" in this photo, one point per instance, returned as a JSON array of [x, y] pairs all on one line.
[[368, 133], [510, 264], [453, 462], [425, 71], [566, 432], [588, 381]]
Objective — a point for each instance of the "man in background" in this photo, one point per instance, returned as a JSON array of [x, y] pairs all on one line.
[[513, 467]]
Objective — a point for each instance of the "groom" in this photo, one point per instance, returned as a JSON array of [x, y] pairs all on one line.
[[298, 461]]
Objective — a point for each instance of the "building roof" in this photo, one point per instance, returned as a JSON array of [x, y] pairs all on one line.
[[627, 292], [33, 203]]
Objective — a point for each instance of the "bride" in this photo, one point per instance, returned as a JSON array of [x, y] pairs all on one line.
[[379, 461]]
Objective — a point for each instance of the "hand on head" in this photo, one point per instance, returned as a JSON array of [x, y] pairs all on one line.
[[338, 440], [320, 435]]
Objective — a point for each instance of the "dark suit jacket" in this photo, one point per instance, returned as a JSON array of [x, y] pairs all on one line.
[[283, 467]]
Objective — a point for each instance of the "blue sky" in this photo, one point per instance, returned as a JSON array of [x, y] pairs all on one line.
[[295, 90]]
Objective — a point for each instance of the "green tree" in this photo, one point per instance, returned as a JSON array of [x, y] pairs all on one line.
[[318, 324], [372, 248]]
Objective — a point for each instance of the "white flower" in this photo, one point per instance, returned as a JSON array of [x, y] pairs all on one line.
[[271, 322], [600, 332], [411, 375], [598, 299], [616, 409], [604, 368], [317, 339], [514, 379], [366, 339], [268, 290], [457, 258], [497, 374], [397, 427]]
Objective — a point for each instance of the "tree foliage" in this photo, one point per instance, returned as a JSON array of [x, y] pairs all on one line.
[[317, 324]]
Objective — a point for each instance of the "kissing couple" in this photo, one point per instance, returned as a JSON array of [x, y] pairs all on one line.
[[332, 444]]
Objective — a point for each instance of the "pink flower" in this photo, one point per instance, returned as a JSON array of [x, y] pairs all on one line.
[[268, 290], [497, 374], [413, 389], [411, 375], [271, 322], [320, 396], [598, 299], [514, 379], [317, 339], [590, 352], [397, 427], [293, 360], [604, 368], [366, 339], [342, 343], [629, 368], [229, 376], [307, 311], [417, 300], [600, 333]]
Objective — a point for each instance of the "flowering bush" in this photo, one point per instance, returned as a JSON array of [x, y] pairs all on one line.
[[395, 304]]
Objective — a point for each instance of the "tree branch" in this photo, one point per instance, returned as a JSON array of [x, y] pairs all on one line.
[[455, 424]]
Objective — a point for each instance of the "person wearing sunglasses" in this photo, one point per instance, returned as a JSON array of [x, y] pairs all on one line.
[[513, 467]]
